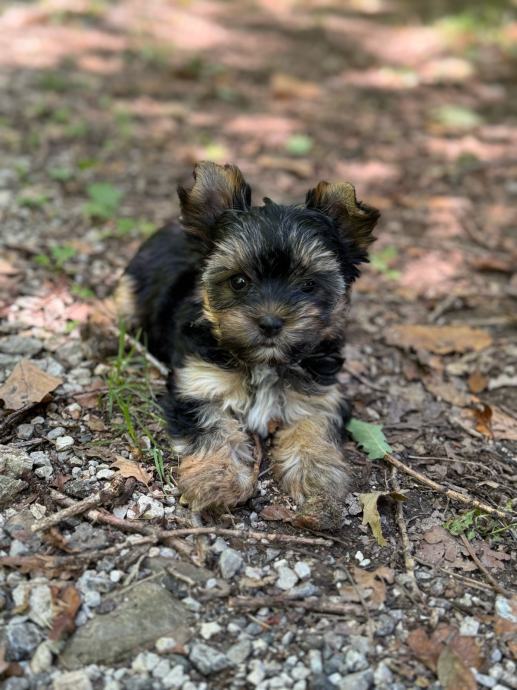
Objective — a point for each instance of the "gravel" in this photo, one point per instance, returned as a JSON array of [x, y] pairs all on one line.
[[208, 660], [230, 563]]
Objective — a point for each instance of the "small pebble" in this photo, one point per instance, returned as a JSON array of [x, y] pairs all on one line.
[[64, 442]]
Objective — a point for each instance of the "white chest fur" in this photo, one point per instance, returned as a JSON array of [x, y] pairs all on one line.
[[266, 401]]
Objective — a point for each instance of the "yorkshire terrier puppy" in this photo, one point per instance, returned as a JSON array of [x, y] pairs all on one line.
[[248, 306]]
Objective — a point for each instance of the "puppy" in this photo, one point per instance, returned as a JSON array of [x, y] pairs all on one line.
[[248, 306]]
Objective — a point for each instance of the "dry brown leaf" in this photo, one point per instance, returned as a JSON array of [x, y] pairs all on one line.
[[442, 340], [287, 86], [371, 514], [439, 547], [493, 560], [446, 390], [27, 384], [276, 512], [426, 649], [477, 382], [492, 422], [130, 468], [376, 581], [68, 602], [452, 672], [96, 424]]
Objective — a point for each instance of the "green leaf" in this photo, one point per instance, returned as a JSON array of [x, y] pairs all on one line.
[[457, 117], [369, 437], [104, 201], [61, 253], [299, 144]]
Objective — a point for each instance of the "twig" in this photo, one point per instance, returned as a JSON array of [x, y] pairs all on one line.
[[489, 577], [141, 349], [362, 379], [311, 604], [15, 417], [97, 515], [369, 623], [469, 580], [409, 561], [247, 534], [450, 493], [77, 507]]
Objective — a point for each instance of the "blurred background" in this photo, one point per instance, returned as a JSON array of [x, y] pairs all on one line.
[[105, 106]]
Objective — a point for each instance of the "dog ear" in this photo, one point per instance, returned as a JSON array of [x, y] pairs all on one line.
[[216, 189], [354, 219]]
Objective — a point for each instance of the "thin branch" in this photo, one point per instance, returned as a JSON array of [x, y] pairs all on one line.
[[362, 379], [311, 604], [489, 577], [141, 349], [409, 561], [450, 493], [247, 534], [468, 580], [77, 507]]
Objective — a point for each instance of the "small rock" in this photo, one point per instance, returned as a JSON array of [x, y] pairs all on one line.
[[382, 675], [485, 681], [42, 658], [355, 681], [503, 608], [239, 652], [315, 661], [385, 625], [54, 433], [287, 578], [163, 645], [306, 589], [105, 473], [9, 488], [75, 680], [64, 442], [230, 562], [22, 639], [208, 630], [257, 673], [300, 672], [14, 461], [175, 678], [355, 661], [469, 627], [303, 570], [208, 660], [44, 472], [145, 662], [17, 345], [161, 669], [25, 431], [40, 605], [40, 458], [150, 508], [192, 604]]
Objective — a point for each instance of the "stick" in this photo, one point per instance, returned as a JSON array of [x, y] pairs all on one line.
[[362, 379], [241, 534], [77, 507], [450, 493], [162, 534], [311, 604], [409, 561], [489, 577], [469, 580], [133, 342]]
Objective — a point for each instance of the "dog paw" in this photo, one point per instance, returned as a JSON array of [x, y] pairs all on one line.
[[215, 481]]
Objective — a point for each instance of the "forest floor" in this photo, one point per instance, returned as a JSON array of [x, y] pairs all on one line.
[[104, 108]]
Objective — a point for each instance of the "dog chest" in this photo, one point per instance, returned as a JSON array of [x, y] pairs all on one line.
[[266, 400]]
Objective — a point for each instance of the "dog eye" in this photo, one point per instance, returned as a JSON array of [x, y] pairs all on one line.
[[239, 282], [308, 285]]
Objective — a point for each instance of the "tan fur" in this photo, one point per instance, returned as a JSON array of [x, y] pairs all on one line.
[[216, 479], [201, 380], [124, 299]]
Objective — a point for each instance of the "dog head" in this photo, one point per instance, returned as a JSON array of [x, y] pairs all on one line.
[[275, 278]]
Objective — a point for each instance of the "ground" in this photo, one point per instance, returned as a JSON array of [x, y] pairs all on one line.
[[104, 108]]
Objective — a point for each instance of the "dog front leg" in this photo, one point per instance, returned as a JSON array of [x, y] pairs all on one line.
[[309, 465]]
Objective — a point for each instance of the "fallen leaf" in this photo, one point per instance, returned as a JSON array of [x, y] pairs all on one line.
[[27, 384], [438, 547], [493, 560], [287, 86], [441, 340], [7, 268], [477, 382], [371, 514], [504, 426], [424, 647], [68, 602], [276, 512], [452, 672], [446, 390], [376, 581], [96, 424], [370, 437], [130, 468], [483, 419]]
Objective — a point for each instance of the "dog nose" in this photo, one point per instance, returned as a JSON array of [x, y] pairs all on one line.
[[270, 324]]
